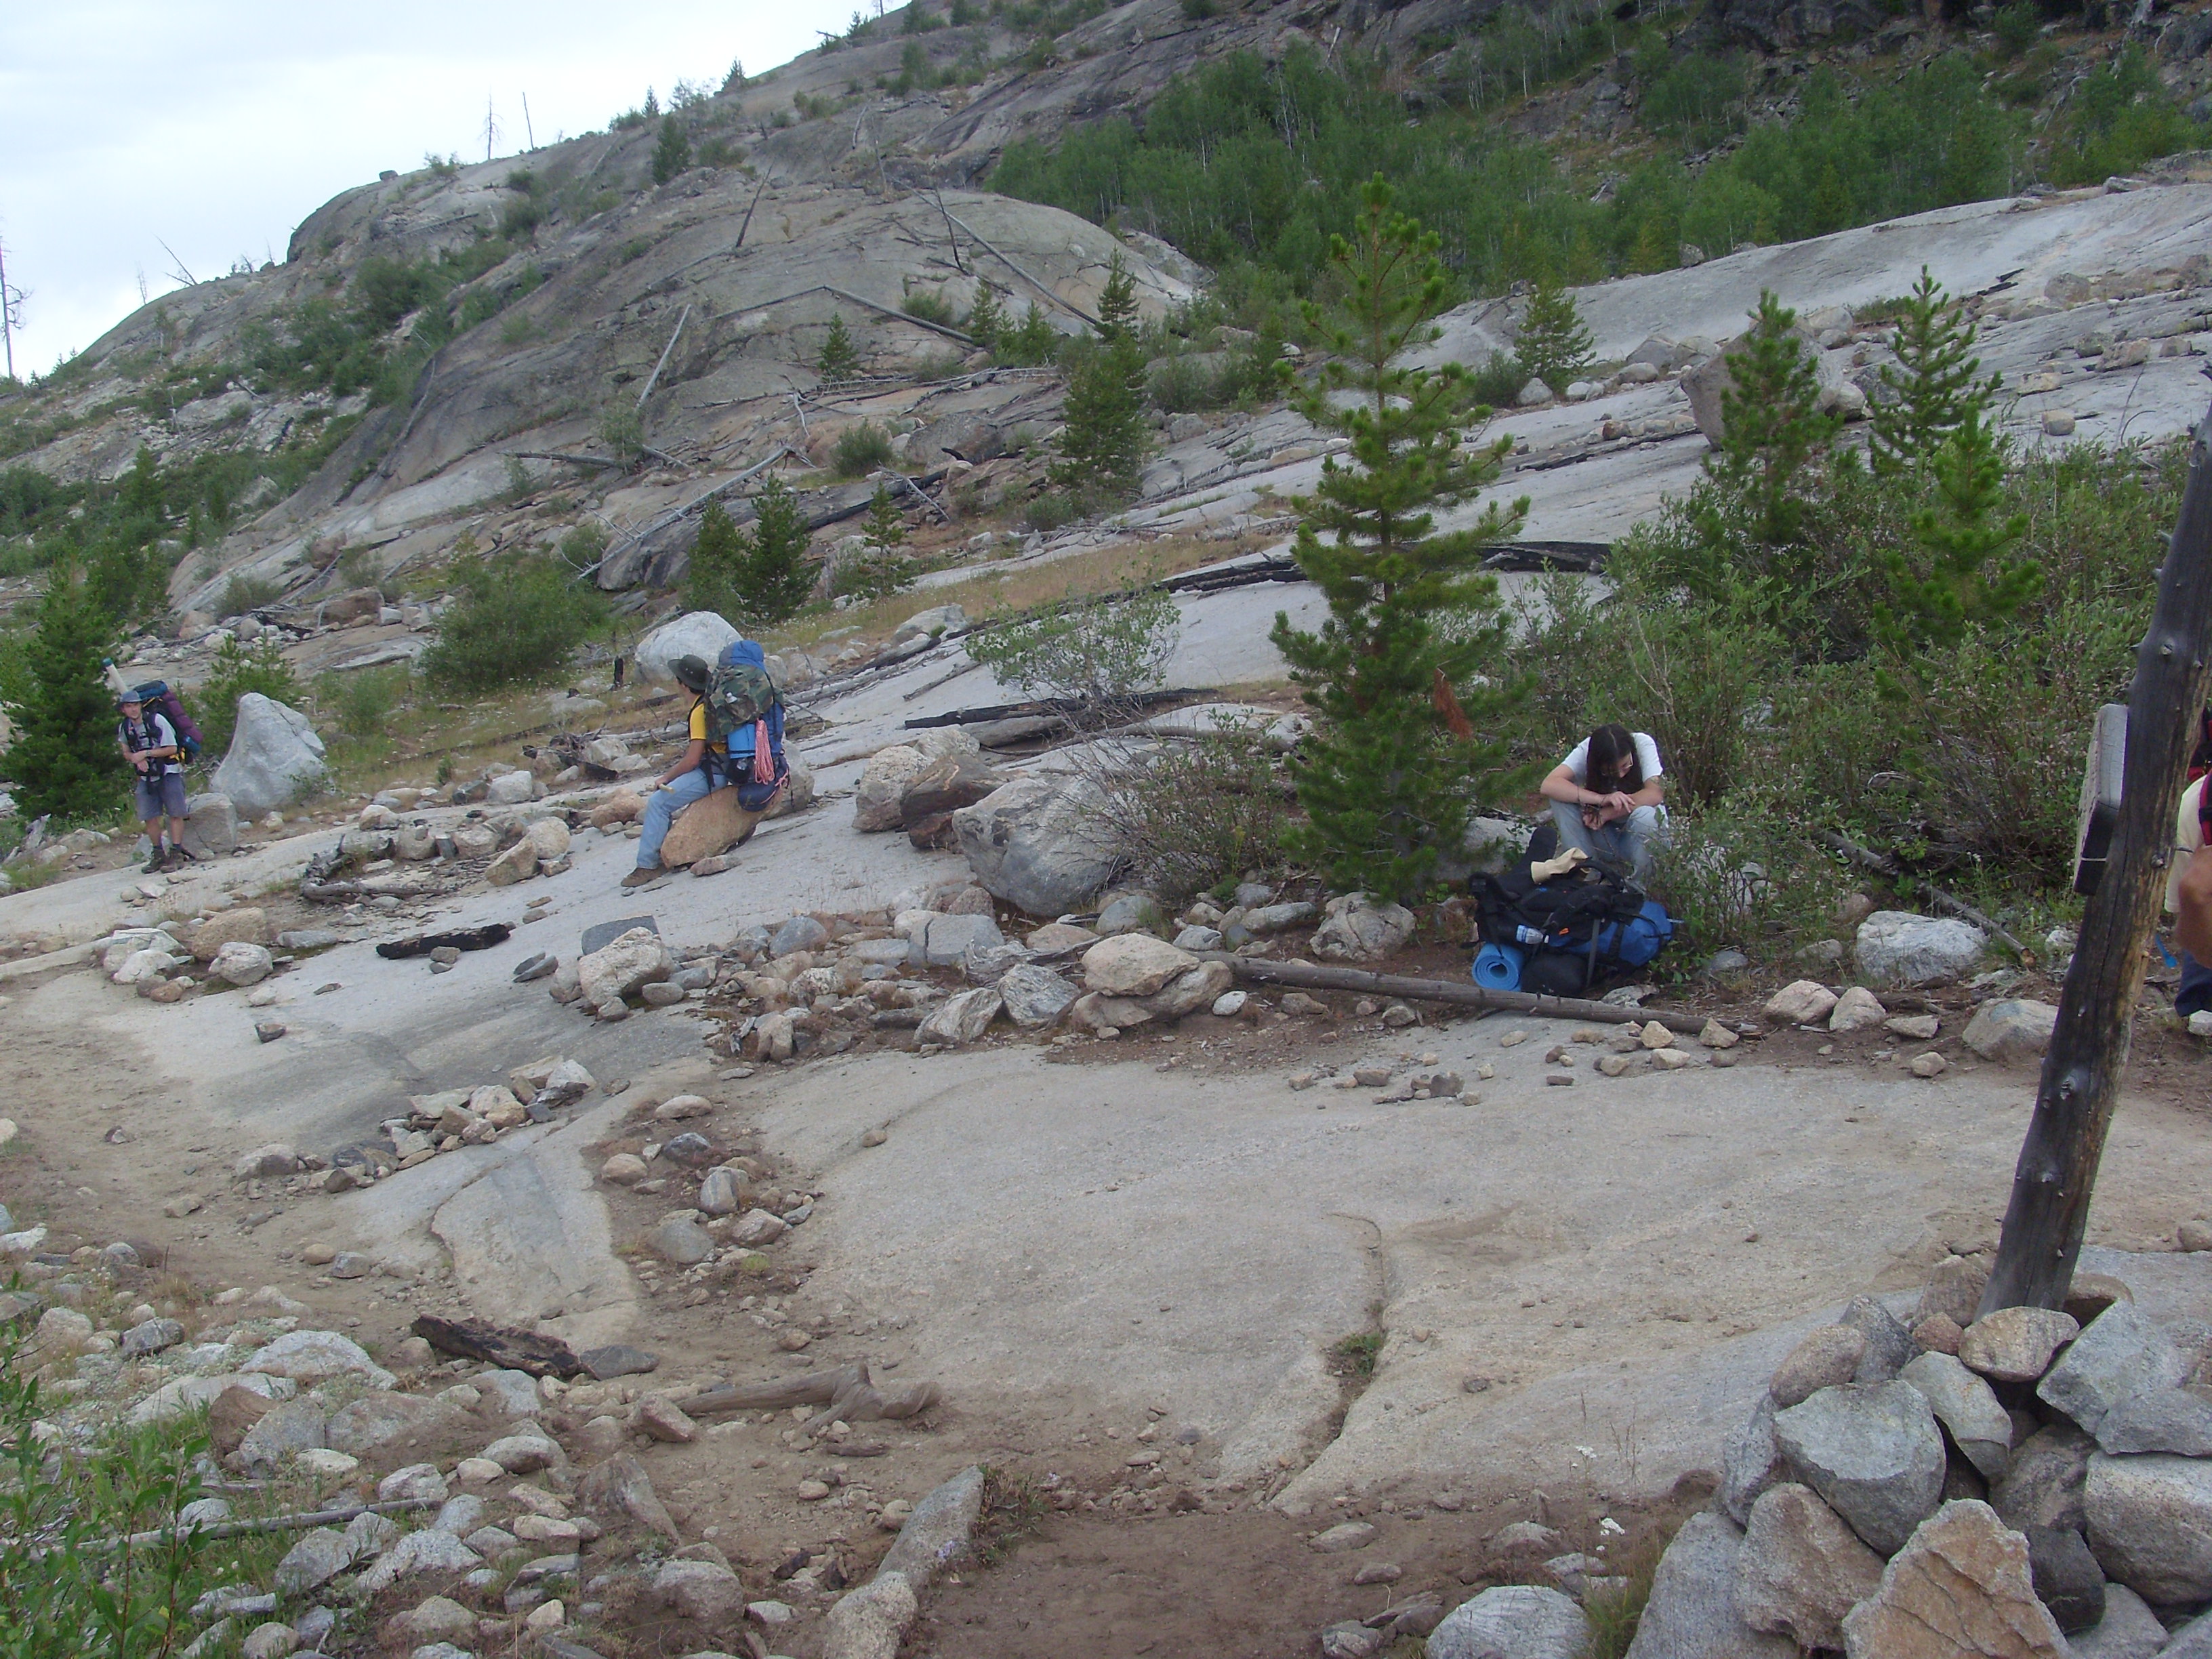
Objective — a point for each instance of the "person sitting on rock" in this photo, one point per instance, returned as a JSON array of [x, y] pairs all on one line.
[[702, 768], [149, 743], [1606, 798], [2189, 897]]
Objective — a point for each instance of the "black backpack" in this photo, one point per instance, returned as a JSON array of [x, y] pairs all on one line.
[[1561, 925]]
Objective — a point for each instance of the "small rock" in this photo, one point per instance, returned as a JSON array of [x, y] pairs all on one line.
[[1930, 1064], [664, 1420], [1855, 1010], [1523, 1621], [2015, 1345], [1821, 1359], [1939, 1334], [1916, 1028], [1965, 1405], [1802, 1569], [1345, 1536], [273, 1640], [1804, 1002], [2015, 1028], [1714, 1035], [2121, 1352], [1873, 1452]]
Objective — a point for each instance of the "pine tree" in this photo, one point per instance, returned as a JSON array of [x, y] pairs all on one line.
[[1969, 579], [839, 359], [1554, 346], [1102, 443], [987, 318], [1933, 380], [774, 579], [718, 562], [652, 104], [63, 759], [1034, 342], [883, 570], [1772, 427], [672, 154], [1414, 626]]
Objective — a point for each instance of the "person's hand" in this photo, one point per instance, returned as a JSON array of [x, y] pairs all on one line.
[[1619, 805]]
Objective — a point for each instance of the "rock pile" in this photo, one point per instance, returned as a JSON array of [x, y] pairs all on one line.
[[436, 1123], [1990, 1485]]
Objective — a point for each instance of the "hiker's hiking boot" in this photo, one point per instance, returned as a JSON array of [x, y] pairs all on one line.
[[644, 875], [179, 857]]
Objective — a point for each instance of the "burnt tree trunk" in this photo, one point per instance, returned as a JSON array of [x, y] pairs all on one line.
[[2081, 1073]]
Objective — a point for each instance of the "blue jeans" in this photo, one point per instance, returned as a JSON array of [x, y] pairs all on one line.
[[661, 807], [1624, 845], [2195, 993]]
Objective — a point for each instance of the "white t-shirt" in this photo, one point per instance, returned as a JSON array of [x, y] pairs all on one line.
[[1647, 758], [156, 733], [2188, 836]]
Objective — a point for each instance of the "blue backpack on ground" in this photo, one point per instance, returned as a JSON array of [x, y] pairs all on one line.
[[1560, 938]]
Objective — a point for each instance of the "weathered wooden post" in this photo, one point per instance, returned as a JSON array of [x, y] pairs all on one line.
[[2089, 1054]]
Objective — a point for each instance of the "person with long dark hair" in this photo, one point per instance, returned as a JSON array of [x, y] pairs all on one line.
[[1608, 799]]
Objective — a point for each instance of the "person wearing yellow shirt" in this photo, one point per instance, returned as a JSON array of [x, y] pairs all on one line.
[[702, 768]]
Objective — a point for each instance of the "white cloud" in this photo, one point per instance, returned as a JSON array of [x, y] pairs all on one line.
[[217, 127]]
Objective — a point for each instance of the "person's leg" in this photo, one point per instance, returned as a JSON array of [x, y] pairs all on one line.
[[148, 797], [2195, 993], [1644, 828], [1573, 832], [661, 807], [172, 800]]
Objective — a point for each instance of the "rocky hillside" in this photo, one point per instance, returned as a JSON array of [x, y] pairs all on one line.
[[466, 358]]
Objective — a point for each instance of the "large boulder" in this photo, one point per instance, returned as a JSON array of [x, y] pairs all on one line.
[[700, 634], [1960, 1586], [877, 799], [1038, 844], [1968, 1407], [1522, 1620], [2121, 1352], [1802, 1569], [962, 1017], [1692, 1613], [2017, 1028], [943, 788], [1873, 1452], [210, 826], [712, 823], [2150, 1524], [1133, 965], [1896, 947], [275, 757], [1357, 929], [1035, 996], [247, 925], [636, 959]]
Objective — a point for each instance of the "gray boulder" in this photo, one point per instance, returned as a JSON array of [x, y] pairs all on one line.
[[1692, 1613], [1968, 1407], [1802, 1569], [1038, 843], [275, 757], [2150, 1524], [946, 940], [1035, 996], [1873, 1452], [699, 634], [2068, 1579], [2121, 1352], [210, 826], [1750, 1461], [2177, 1420], [939, 1530], [2042, 1485], [1897, 947], [297, 1425], [1960, 1585], [2017, 1028], [1890, 1346], [2130, 1630], [962, 1017], [1519, 1621], [319, 1556]]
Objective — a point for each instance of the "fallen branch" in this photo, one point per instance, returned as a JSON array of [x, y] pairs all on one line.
[[513, 1350], [580, 460], [1050, 294], [846, 1395], [268, 1523], [1067, 706], [1866, 858], [653, 379], [1307, 976]]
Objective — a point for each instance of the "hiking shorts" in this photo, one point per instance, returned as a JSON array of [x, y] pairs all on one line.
[[160, 796]]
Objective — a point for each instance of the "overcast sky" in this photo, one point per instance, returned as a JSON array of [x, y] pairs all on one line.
[[217, 127]]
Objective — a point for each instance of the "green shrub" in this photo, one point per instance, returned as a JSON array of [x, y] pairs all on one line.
[[238, 668], [243, 594], [840, 358], [1743, 872], [2120, 116], [1197, 811], [63, 757], [927, 303], [672, 154], [621, 428], [2018, 25], [860, 449], [518, 622], [1101, 651], [362, 700]]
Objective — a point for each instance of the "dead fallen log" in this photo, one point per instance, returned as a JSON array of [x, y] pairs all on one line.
[[1067, 706], [846, 1395], [1866, 858], [1307, 977], [468, 939], [214, 1529], [495, 1346]]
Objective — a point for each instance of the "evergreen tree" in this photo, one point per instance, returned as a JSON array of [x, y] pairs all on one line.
[[1554, 346], [987, 319], [883, 570], [1968, 579], [1934, 379], [63, 759], [1034, 342], [774, 579], [672, 154], [718, 564], [1101, 443], [839, 358], [1772, 427], [652, 104], [1403, 673]]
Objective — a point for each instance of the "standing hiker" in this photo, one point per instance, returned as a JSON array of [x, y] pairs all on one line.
[[1606, 798], [149, 743]]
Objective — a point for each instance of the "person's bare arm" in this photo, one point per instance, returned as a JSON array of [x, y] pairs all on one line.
[[1560, 785], [692, 756], [2193, 927]]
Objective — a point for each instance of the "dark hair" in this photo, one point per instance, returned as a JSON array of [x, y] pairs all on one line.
[[1607, 746]]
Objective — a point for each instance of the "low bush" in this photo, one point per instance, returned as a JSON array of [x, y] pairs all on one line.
[[860, 449], [1101, 650], [1197, 811], [237, 670], [518, 622], [361, 701], [243, 594]]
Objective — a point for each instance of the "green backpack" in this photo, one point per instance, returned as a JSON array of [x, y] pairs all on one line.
[[739, 695]]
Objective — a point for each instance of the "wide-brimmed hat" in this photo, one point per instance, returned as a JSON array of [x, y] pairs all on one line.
[[693, 672]]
